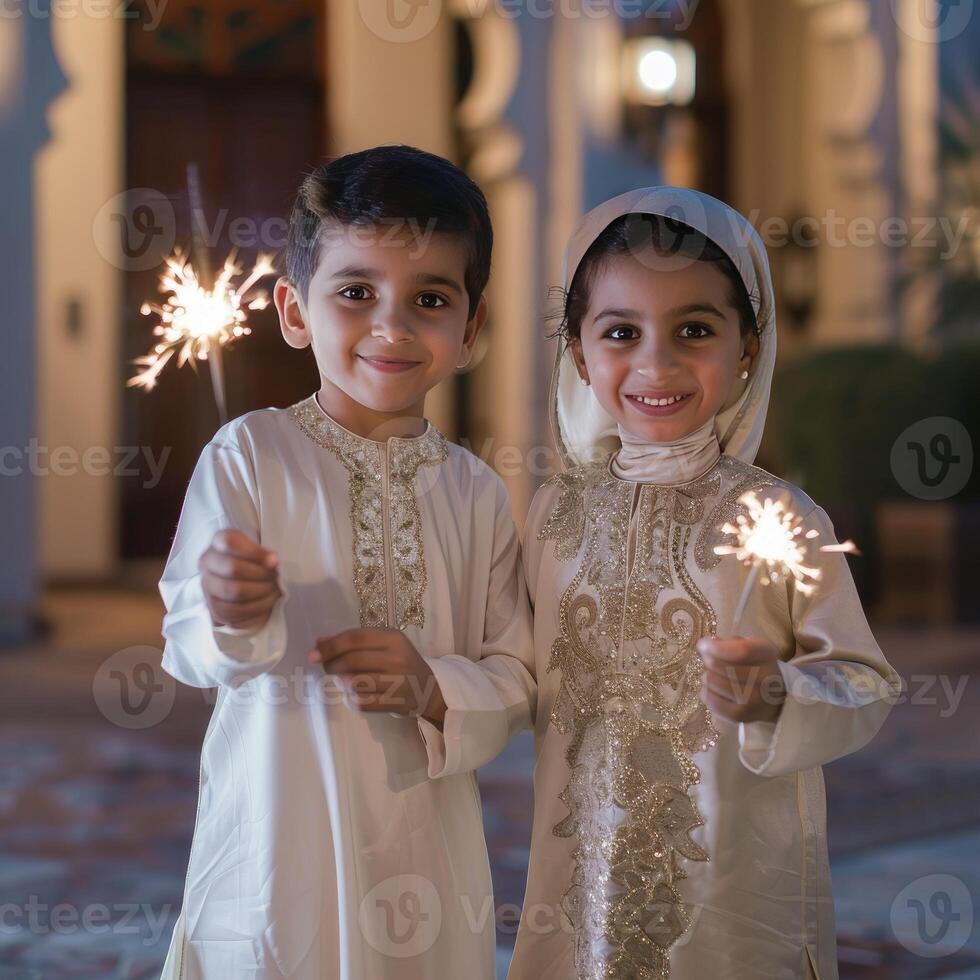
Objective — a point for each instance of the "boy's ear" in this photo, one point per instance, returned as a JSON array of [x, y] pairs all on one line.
[[575, 346], [473, 327], [292, 318]]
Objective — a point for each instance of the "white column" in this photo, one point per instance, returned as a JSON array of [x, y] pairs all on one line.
[[79, 216], [389, 80], [29, 80]]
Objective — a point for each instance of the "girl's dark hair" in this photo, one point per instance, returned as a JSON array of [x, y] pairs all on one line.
[[631, 233], [391, 185]]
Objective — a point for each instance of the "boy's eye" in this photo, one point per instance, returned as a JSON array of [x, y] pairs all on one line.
[[621, 333], [700, 331], [431, 301], [355, 292]]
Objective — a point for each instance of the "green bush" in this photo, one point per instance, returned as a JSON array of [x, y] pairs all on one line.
[[953, 385], [834, 416]]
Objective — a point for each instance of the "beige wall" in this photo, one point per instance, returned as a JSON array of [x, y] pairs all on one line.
[[78, 392], [806, 78], [386, 85]]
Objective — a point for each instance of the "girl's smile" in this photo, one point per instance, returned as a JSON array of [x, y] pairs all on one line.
[[660, 404]]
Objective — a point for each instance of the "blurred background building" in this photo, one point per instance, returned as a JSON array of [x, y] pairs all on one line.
[[848, 131]]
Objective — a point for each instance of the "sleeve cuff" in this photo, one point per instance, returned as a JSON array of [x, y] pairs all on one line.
[[204, 655], [824, 717], [444, 747], [757, 740]]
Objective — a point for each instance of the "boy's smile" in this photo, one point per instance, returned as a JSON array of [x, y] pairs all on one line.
[[382, 363], [387, 322]]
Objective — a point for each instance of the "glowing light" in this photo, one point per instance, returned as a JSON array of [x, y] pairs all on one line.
[[657, 71], [770, 539], [195, 322]]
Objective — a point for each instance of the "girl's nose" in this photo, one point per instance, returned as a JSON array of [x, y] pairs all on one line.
[[655, 359]]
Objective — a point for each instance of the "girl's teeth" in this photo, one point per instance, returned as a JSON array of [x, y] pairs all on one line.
[[661, 402]]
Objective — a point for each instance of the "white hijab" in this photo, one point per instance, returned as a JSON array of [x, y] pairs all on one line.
[[582, 428]]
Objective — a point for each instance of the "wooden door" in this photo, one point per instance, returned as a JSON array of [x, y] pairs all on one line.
[[237, 87]]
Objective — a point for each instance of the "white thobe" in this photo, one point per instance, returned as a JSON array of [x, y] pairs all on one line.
[[331, 843], [668, 843]]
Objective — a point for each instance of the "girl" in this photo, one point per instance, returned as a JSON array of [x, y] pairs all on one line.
[[679, 826]]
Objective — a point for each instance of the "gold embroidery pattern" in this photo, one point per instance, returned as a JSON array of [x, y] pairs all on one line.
[[566, 525], [629, 699], [364, 460]]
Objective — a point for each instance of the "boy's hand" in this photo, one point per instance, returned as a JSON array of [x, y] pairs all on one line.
[[741, 680], [240, 579], [381, 671]]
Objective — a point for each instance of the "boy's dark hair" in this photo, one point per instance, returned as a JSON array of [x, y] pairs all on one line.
[[632, 232], [387, 184]]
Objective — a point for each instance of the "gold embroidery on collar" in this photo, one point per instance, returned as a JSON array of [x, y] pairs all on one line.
[[364, 461], [629, 699]]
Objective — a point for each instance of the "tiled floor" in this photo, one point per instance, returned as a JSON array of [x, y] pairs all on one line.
[[96, 814]]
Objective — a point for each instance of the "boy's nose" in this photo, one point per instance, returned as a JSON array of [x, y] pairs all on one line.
[[391, 328]]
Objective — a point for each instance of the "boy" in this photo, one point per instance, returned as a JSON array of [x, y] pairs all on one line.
[[349, 581]]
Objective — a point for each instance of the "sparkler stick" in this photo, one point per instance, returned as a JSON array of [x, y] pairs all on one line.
[[202, 258], [771, 540]]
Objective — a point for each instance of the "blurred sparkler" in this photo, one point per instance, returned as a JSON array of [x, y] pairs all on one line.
[[198, 318], [770, 539]]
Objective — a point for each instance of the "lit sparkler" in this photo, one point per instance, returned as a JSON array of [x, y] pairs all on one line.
[[771, 540], [195, 323]]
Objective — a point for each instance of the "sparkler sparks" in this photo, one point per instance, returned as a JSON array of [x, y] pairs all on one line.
[[771, 540], [195, 322]]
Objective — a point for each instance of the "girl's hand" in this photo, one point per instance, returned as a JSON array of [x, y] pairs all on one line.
[[741, 680], [381, 671]]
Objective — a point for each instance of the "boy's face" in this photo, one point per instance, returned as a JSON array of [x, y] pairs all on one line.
[[387, 315]]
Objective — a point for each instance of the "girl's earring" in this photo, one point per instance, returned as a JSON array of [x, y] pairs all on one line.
[[744, 375]]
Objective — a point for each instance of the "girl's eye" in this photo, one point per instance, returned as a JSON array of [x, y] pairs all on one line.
[[355, 292], [431, 301], [621, 333], [701, 331]]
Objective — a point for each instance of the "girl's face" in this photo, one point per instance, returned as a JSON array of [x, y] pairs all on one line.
[[661, 344]]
